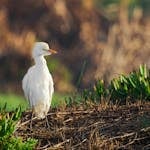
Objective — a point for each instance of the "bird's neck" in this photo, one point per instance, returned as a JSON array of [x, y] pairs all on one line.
[[40, 60]]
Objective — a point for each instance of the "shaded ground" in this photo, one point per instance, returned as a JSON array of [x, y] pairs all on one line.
[[123, 127]]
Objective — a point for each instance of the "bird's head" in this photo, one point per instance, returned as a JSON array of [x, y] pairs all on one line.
[[42, 49]]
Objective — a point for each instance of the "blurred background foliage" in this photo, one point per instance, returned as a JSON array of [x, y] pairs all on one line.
[[95, 39]]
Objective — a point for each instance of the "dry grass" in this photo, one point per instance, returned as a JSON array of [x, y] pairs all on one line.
[[122, 127]]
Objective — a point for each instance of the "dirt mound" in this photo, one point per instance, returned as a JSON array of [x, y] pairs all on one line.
[[124, 127]]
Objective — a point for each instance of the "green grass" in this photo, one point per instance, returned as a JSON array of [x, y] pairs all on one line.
[[13, 101], [58, 99]]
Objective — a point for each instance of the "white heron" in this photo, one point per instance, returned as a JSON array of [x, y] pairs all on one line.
[[37, 83]]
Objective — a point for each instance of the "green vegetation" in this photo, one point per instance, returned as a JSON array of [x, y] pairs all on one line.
[[132, 87], [96, 93], [13, 101], [8, 141], [58, 99], [135, 86]]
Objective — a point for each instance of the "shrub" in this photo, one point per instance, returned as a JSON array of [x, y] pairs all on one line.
[[135, 86], [8, 141]]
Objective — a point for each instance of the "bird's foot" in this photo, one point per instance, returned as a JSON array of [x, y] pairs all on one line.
[[47, 123]]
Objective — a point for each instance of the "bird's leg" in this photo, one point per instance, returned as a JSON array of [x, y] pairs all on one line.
[[31, 121], [47, 122]]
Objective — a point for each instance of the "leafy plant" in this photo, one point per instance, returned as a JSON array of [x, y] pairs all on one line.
[[8, 141], [135, 86], [96, 93]]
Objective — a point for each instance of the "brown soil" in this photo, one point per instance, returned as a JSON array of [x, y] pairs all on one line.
[[122, 127]]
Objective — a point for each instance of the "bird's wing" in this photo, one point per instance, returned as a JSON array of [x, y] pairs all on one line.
[[25, 87], [51, 86], [26, 84]]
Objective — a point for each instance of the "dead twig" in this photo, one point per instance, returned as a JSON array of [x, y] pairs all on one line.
[[44, 147], [75, 146], [26, 122], [124, 146], [146, 147], [59, 144], [73, 112]]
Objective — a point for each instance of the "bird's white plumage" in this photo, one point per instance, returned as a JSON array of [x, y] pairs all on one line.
[[37, 83]]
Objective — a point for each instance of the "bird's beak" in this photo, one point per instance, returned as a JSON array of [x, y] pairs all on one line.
[[52, 51]]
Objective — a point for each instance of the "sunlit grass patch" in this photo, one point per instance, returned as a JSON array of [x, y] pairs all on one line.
[[13, 101], [58, 99]]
